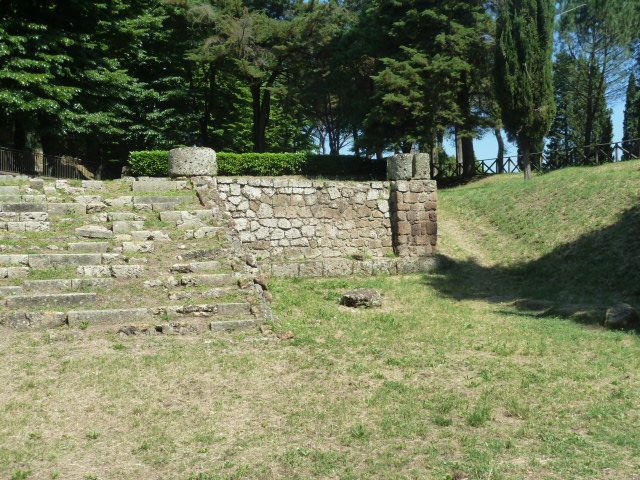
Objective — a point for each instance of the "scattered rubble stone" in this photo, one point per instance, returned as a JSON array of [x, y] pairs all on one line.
[[361, 297]]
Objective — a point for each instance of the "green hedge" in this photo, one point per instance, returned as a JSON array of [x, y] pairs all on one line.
[[155, 163], [261, 164], [152, 163]]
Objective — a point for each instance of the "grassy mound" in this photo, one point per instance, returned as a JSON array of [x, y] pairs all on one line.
[[571, 235]]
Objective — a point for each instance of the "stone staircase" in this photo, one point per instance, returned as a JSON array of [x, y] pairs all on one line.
[[133, 256]]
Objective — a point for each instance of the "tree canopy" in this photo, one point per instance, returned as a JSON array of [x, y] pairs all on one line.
[[98, 79]]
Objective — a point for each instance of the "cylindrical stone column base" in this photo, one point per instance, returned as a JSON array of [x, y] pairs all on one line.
[[192, 162]]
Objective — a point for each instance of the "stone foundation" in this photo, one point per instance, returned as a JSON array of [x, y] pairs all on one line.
[[304, 227]]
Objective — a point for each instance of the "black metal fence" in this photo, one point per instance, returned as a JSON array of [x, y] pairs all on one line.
[[550, 160], [30, 162]]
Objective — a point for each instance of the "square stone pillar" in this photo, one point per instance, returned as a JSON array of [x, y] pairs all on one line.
[[407, 166], [414, 220]]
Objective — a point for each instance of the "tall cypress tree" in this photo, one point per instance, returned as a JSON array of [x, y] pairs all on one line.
[[523, 71], [631, 120]]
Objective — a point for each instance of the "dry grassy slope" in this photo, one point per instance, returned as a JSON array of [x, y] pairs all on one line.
[[572, 234]]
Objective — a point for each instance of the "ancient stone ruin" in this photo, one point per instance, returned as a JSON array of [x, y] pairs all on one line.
[[167, 256]]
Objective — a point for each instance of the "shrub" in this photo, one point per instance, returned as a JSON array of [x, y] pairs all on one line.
[[156, 163], [152, 163], [261, 164]]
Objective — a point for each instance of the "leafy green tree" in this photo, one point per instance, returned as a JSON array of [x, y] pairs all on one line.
[[631, 126], [601, 34], [424, 71], [567, 138], [523, 72]]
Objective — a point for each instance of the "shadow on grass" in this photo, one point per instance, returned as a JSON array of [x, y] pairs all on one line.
[[595, 271]]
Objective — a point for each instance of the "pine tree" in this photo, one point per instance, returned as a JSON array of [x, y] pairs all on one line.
[[523, 71], [631, 126]]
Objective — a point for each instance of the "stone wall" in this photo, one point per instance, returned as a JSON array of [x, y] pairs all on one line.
[[300, 219], [313, 227]]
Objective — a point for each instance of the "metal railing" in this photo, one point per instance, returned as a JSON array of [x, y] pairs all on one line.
[[550, 160], [30, 162]]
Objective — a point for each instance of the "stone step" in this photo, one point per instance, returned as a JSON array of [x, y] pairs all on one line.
[[93, 184], [23, 207], [25, 226], [14, 272], [123, 216], [66, 284], [52, 260], [158, 200], [24, 217], [53, 300], [207, 310], [209, 280], [195, 267], [185, 215], [138, 247], [188, 295], [203, 232], [200, 254], [29, 320], [115, 271], [220, 311], [6, 291], [89, 247], [23, 199], [9, 190], [66, 209], [126, 226], [28, 226], [157, 185], [94, 231], [114, 316], [148, 235], [230, 325], [49, 260]]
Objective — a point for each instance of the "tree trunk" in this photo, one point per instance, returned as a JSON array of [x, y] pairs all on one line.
[[526, 159], [459, 154], [19, 135], [261, 110], [208, 107], [356, 148], [468, 157], [500, 158]]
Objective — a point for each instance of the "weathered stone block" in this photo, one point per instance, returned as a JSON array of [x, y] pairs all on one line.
[[77, 317], [192, 161], [127, 271], [137, 247], [94, 231], [400, 166], [27, 320], [48, 260], [126, 226], [361, 298], [55, 299]]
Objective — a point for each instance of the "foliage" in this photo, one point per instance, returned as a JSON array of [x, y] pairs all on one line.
[[156, 163], [153, 163], [269, 164], [99, 79], [568, 131], [523, 71], [631, 126], [599, 35]]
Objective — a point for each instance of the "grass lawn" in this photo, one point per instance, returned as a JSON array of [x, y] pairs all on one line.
[[445, 381]]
